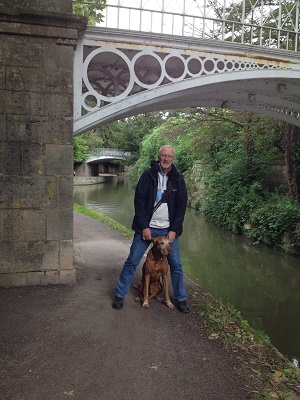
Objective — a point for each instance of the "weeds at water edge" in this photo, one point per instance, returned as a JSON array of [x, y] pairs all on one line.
[[269, 374], [103, 218]]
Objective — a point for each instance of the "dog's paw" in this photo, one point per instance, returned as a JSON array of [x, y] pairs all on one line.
[[145, 305], [159, 299], [170, 305]]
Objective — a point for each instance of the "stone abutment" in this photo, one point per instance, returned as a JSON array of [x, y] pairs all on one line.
[[37, 44]]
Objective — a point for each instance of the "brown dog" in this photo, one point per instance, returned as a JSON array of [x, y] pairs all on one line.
[[155, 267]]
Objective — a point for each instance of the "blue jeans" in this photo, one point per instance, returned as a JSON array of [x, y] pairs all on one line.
[[137, 250]]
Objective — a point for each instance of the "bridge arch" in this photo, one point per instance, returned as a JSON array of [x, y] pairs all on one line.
[[138, 74], [102, 155], [269, 92]]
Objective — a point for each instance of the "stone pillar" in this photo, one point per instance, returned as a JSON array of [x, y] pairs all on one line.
[[37, 44]]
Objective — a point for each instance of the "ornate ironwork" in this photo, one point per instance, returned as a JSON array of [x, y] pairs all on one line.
[[107, 153], [151, 70], [113, 72]]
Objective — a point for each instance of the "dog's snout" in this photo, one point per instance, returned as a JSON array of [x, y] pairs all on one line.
[[162, 245], [166, 248]]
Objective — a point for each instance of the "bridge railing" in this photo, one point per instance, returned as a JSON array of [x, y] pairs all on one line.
[[108, 152], [271, 23]]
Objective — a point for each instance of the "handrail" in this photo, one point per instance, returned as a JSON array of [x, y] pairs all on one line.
[[198, 18], [100, 152]]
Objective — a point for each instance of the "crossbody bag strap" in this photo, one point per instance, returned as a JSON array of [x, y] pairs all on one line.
[[162, 199]]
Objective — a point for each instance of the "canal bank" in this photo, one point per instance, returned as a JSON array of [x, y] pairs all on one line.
[[93, 180], [261, 283], [67, 341]]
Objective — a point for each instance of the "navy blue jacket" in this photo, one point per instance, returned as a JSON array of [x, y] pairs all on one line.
[[145, 195]]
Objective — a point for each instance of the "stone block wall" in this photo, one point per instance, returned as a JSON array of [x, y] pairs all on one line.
[[83, 169], [37, 45], [278, 174]]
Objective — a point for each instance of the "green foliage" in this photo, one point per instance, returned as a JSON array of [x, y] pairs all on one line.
[[277, 216], [93, 139], [197, 205], [250, 12], [169, 132], [230, 206], [234, 150], [125, 134], [278, 379], [90, 9], [296, 158], [149, 151], [288, 23], [234, 179], [80, 149], [236, 165], [136, 128]]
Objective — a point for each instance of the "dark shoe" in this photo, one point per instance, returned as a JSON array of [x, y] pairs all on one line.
[[182, 307], [118, 303]]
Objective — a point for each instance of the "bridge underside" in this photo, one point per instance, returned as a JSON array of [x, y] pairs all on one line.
[[104, 160], [143, 74]]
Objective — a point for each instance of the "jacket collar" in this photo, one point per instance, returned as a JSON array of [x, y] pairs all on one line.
[[173, 174]]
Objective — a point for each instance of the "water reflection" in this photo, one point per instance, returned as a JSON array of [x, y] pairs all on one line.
[[114, 199], [259, 282]]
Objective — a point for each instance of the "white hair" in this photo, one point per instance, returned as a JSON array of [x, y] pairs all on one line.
[[168, 146]]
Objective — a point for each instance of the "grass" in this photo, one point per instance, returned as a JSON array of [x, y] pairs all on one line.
[[103, 218], [269, 374]]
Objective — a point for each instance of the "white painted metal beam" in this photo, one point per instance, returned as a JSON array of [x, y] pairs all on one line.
[[119, 76]]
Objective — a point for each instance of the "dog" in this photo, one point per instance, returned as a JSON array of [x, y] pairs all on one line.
[[155, 273]]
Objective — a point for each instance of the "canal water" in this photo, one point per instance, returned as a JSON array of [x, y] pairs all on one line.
[[263, 284]]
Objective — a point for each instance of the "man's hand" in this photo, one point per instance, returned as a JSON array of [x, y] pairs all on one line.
[[146, 234], [171, 236]]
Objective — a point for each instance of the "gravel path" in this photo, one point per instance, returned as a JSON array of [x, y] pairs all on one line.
[[61, 342]]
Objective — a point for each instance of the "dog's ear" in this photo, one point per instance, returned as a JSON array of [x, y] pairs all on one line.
[[153, 240]]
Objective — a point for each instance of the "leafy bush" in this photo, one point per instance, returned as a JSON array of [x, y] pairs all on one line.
[[151, 145], [234, 151], [80, 149], [275, 218], [90, 10], [149, 151], [235, 191]]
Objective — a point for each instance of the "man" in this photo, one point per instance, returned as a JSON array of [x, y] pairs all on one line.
[[161, 185]]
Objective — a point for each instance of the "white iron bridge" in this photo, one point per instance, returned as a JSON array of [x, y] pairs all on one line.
[[97, 156], [160, 54]]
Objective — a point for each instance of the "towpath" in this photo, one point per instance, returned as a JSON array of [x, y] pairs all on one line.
[[61, 342]]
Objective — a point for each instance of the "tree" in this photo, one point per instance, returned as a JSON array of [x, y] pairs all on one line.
[[80, 149], [126, 134], [90, 9], [247, 21], [292, 159], [286, 14], [93, 139], [136, 128]]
